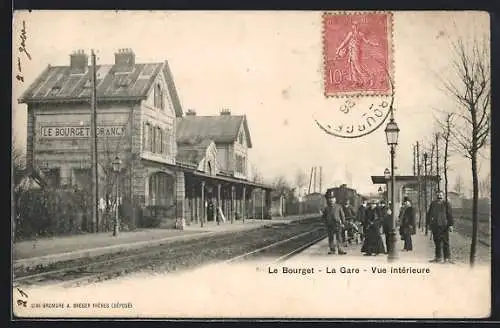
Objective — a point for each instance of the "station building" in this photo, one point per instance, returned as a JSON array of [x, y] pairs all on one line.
[[170, 159]]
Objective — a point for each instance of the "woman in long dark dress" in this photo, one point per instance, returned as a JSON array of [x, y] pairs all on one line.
[[373, 243]]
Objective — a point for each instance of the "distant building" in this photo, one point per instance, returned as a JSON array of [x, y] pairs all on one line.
[[314, 202], [278, 204], [169, 159]]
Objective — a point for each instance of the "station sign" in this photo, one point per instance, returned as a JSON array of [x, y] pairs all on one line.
[[79, 131]]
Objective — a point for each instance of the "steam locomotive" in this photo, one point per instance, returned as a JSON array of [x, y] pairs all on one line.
[[344, 193]]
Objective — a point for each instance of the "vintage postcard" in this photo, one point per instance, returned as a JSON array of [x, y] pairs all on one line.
[[240, 164]]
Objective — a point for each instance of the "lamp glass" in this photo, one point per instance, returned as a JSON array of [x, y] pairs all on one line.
[[116, 164], [387, 173], [392, 133]]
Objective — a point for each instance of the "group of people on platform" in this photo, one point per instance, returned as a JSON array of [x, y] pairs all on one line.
[[372, 220]]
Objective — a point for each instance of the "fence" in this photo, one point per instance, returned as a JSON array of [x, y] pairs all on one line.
[[56, 212]]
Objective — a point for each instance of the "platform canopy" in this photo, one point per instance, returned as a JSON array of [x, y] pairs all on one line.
[[380, 179]]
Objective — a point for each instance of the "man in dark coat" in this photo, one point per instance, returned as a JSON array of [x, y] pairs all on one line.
[[385, 221], [440, 220], [334, 218], [210, 210], [407, 227]]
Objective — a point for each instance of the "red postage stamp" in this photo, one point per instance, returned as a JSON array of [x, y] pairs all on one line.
[[357, 49]]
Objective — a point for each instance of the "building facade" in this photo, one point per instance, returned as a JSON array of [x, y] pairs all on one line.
[[169, 160]]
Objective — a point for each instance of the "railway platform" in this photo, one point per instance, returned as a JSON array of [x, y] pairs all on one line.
[[423, 251], [45, 251]]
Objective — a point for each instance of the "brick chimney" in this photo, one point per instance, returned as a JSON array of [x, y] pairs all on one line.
[[225, 111], [78, 62], [191, 112], [124, 60]]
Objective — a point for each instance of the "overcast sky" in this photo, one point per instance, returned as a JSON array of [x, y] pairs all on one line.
[[267, 65]]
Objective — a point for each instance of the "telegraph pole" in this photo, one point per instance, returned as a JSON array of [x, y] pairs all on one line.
[[419, 186], [425, 187], [437, 162], [320, 178], [314, 183], [93, 119], [431, 191], [310, 180], [414, 168]]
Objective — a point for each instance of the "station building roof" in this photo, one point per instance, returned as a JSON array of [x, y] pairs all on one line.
[[221, 129], [62, 84]]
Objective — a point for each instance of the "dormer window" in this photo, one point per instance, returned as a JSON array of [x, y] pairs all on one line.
[[240, 138], [158, 96]]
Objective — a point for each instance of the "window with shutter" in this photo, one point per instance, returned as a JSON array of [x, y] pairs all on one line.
[[162, 101], [151, 138], [145, 141], [159, 139], [165, 142]]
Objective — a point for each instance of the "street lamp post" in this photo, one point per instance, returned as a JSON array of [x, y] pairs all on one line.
[[392, 133], [425, 191], [116, 168], [387, 175]]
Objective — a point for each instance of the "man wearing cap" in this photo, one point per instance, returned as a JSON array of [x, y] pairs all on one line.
[[407, 224], [440, 221], [334, 217]]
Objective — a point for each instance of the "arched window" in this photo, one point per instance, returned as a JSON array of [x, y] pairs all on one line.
[[161, 189], [240, 138], [158, 96]]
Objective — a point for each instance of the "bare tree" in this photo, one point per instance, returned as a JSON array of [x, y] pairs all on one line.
[[281, 185], [471, 91], [445, 125], [18, 157], [256, 175], [485, 186], [300, 180], [17, 164]]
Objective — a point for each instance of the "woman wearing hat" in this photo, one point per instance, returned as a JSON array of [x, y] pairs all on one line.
[[373, 243], [407, 224]]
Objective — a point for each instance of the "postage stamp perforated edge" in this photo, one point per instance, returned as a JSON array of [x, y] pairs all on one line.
[[390, 40]]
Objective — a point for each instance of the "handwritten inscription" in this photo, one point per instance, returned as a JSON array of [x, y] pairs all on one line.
[[23, 50], [22, 300], [80, 131]]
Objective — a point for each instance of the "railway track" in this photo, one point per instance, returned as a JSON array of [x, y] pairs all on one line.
[[292, 245], [180, 255], [464, 227]]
